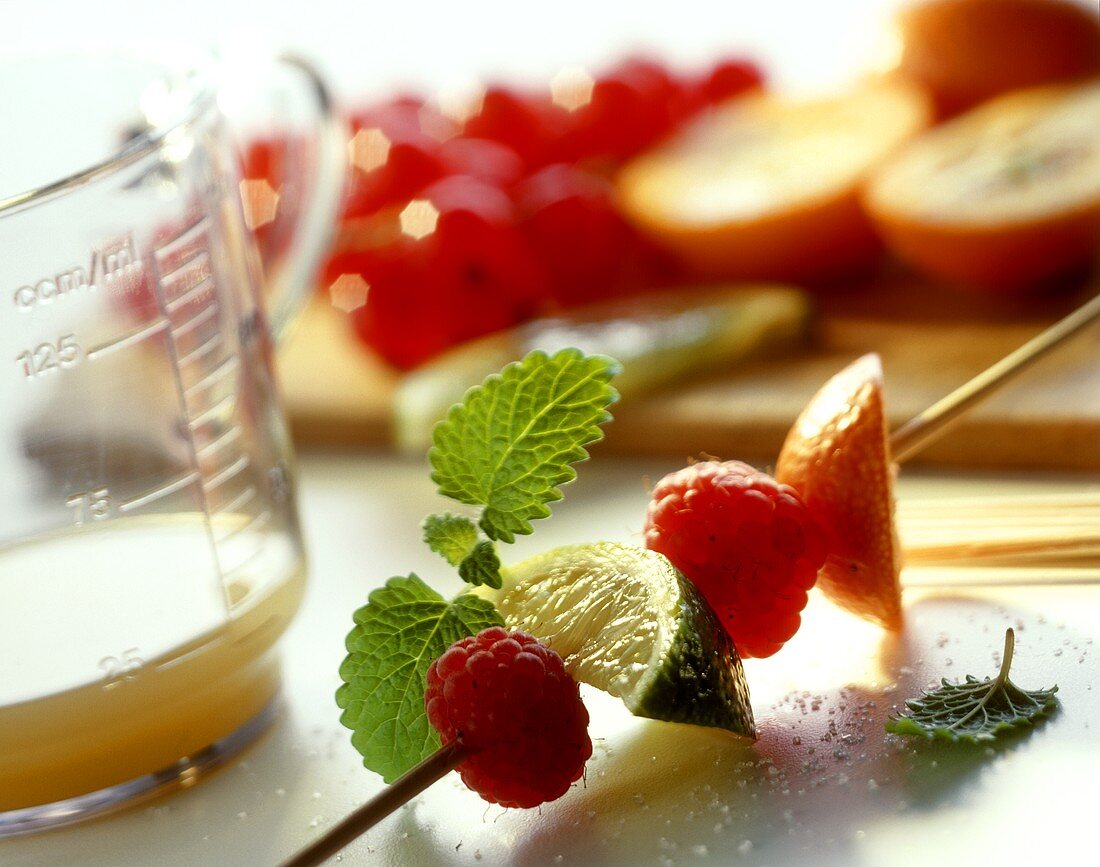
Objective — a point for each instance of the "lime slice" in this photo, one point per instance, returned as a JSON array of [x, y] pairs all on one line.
[[658, 339], [624, 620]]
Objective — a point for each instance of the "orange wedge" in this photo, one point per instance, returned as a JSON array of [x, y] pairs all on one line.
[[766, 187], [1005, 197], [966, 51], [837, 456]]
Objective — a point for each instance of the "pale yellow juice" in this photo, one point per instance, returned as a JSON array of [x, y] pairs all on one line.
[[122, 651]]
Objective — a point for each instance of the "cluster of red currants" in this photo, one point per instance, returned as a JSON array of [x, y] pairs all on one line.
[[455, 228]]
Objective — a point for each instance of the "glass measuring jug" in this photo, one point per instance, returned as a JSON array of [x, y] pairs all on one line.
[[150, 553]]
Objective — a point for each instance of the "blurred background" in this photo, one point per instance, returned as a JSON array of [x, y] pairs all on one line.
[[522, 177], [371, 48]]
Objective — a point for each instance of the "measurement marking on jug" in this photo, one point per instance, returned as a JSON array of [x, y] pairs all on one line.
[[121, 668], [225, 475], [47, 291], [243, 497], [165, 249], [247, 561], [211, 411], [47, 357], [200, 287], [177, 260], [220, 441], [163, 491], [207, 646], [190, 262], [130, 339], [259, 522], [202, 349], [223, 370], [195, 321], [96, 505]]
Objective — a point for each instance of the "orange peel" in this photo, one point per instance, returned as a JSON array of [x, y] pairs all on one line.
[[837, 456]]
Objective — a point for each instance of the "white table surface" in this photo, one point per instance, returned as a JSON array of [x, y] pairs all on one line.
[[823, 783]]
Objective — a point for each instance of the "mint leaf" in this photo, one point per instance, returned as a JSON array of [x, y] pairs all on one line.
[[977, 710], [450, 536], [482, 566], [402, 629], [458, 541], [510, 443]]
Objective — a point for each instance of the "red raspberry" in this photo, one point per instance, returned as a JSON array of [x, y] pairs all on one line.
[[746, 541], [511, 701]]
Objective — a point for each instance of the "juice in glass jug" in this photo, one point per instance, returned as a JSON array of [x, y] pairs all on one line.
[[150, 553]]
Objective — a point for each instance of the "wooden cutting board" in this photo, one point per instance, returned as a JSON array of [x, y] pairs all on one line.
[[931, 340]]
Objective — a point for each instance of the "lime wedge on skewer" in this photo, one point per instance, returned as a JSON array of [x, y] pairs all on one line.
[[624, 620]]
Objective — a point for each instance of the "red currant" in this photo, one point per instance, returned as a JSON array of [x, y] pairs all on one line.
[[573, 227], [531, 125], [391, 154], [483, 159], [632, 106]]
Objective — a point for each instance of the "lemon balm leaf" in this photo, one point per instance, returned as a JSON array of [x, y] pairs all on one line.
[[975, 710], [402, 629], [451, 536], [482, 566], [512, 441], [459, 542]]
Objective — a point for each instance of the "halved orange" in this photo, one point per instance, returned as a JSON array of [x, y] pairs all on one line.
[[967, 51], [766, 187], [1005, 197], [837, 456]]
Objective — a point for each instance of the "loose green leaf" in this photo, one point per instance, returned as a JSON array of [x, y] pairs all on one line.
[[451, 536], [402, 629], [977, 710], [482, 566], [511, 442]]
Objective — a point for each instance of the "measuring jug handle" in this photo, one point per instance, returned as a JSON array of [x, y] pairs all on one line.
[[291, 284]]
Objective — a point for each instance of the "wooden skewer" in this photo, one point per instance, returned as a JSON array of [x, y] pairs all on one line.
[[407, 787], [927, 426]]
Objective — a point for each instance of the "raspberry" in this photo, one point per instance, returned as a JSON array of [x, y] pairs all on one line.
[[746, 541], [513, 704]]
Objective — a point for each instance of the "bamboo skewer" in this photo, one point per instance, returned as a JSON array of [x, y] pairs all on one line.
[[930, 424], [1051, 527], [432, 769]]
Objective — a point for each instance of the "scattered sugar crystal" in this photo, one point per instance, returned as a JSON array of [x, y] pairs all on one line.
[[744, 847]]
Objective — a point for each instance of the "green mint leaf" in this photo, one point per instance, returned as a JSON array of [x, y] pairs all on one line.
[[451, 536], [977, 710], [512, 440], [402, 629], [482, 566], [458, 541]]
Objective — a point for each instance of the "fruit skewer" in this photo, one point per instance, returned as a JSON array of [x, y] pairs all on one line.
[[905, 442]]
